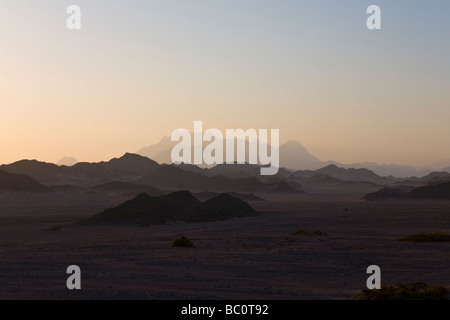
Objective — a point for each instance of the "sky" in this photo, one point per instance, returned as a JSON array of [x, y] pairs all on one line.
[[139, 69]]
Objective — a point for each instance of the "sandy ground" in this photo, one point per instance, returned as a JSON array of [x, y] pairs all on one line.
[[251, 258]]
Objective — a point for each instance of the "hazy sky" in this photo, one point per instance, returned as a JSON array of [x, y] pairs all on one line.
[[140, 69]]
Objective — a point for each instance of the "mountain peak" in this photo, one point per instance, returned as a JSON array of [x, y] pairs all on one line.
[[133, 158], [67, 161], [338, 172], [332, 166], [294, 143], [129, 155]]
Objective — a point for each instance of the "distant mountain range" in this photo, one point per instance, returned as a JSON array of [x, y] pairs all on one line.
[[132, 174], [294, 156], [128, 168]]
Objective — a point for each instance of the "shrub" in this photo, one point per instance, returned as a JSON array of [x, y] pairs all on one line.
[[182, 242], [426, 237], [319, 233], [409, 291], [297, 232]]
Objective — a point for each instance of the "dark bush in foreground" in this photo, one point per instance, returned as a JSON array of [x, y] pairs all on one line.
[[413, 291], [426, 237], [182, 242], [319, 233]]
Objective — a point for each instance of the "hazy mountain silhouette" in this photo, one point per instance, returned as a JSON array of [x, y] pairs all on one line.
[[281, 186], [435, 178], [67, 161], [11, 182], [132, 174], [160, 152], [335, 172], [384, 170], [446, 169], [145, 210], [439, 165], [294, 156], [323, 178], [172, 177]]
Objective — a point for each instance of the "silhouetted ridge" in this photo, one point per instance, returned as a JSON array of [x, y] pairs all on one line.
[[436, 178], [323, 178], [145, 210], [388, 193], [118, 187], [129, 167], [40, 171], [225, 204], [337, 172], [19, 183], [171, 177], [437, 192]]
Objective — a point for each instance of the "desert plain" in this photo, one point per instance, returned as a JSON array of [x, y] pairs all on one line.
[[254, 258]]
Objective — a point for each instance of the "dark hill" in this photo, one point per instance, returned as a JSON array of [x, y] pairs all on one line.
[[19, 183], [243, 196], [227, 206], [351, 173], [171, 177], [129, 167], [145, 210], [388, 193], [437, 192], [281, 187], [118, 187], [435, 178], [41, 171], [323, 178]]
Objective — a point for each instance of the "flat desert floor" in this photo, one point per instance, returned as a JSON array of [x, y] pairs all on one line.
[[250, 258]]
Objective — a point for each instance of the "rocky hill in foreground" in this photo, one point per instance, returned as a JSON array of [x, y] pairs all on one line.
[[145, 210]]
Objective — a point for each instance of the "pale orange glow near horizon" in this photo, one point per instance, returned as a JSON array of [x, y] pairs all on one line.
[[132, 76]]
